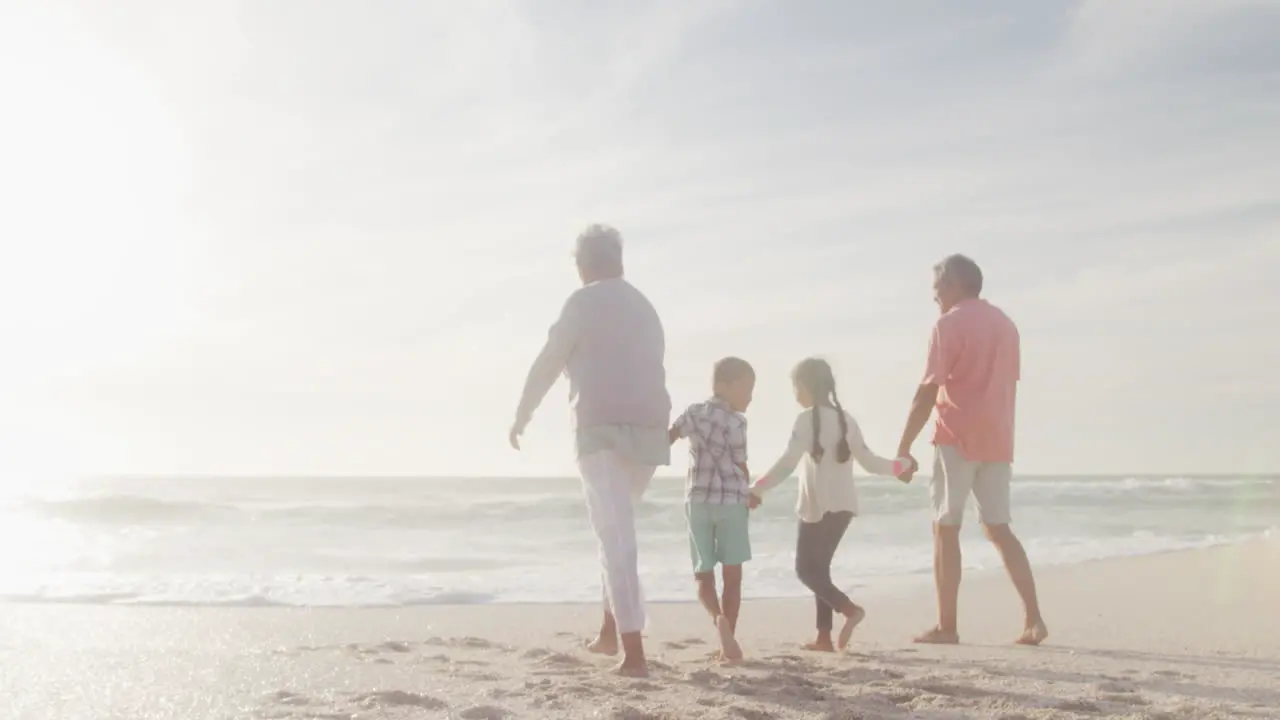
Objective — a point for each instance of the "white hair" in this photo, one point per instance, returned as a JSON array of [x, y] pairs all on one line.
[[599, 245]]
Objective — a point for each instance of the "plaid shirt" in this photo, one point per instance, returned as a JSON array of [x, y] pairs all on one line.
[[717, 445]]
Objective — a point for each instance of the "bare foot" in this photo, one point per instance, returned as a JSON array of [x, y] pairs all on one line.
[[937, 636], [850, 624], [822, 644], [729, 647], [603, 646], [632, 669], [1035, 634]]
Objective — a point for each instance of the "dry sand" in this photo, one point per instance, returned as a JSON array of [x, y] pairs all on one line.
[[1183, 635]]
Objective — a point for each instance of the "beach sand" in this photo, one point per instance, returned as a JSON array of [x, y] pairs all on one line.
[[1183, 635]]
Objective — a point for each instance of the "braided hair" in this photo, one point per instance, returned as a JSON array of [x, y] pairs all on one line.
[[815, 376]]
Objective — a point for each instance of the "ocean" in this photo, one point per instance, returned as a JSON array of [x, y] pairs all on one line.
[[366, 542]]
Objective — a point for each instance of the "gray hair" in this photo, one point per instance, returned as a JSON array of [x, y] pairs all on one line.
[[599, 247], [961, 270]]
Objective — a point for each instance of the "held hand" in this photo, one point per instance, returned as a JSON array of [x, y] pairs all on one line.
[[753, 501], [909, 472]]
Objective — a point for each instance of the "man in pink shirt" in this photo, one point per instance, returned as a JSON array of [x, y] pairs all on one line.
[[971, 379]]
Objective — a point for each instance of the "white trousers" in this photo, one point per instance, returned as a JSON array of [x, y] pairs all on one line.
[[613, 484]]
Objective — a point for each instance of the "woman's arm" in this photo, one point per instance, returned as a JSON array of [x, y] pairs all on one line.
[[869, 461], [801, 439], [679, 428]]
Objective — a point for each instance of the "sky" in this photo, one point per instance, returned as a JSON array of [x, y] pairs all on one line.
[[328, 238]]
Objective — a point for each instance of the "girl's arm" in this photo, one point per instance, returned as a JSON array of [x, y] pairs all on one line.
[[869, 461], [801, 439]]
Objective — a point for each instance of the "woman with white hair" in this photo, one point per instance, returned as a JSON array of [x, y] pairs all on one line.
[[610, 342]]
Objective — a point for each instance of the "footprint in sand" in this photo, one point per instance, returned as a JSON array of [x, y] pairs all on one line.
[[499, 693], [630, 713], [949, 690], [742, 689], [1125, 698], [748, 713], [484, 712], [471, 643], [395, 646], [551, 658], [398, 698], [899, 697], [645, 686], [705, 678], [1115, 687], [580, 690], [1080, 706], [684, 644], [284, 697], [864, 675]]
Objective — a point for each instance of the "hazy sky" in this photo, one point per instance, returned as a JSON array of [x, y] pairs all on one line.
[[305, 237]]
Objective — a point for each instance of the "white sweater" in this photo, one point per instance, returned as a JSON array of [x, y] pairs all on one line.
[[825, 486], [611, 344]]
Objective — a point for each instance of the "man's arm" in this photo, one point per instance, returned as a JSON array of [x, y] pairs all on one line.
[[550, 363], [937, 370], [921, 408]]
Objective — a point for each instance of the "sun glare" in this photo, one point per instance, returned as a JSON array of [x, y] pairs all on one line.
[[92, 175]]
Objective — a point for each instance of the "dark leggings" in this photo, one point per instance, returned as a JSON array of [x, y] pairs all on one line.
[[815, 547]]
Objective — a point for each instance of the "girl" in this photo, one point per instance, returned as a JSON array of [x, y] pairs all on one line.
[[826, 437]]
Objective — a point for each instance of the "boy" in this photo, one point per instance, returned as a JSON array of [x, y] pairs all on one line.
[[717, 493]]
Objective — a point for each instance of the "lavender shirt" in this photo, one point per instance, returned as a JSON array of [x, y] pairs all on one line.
[[610, 342]]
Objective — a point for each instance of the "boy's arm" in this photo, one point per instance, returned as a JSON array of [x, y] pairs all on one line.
[[736, 438]]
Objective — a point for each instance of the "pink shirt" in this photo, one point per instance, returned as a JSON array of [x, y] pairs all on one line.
[[973, 359]]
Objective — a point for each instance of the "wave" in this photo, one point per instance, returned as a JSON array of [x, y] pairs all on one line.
[[129, 509], [379, 586], [135, 510], [437, 509]]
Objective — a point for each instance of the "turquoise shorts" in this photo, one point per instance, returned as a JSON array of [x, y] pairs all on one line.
[[717, 534]]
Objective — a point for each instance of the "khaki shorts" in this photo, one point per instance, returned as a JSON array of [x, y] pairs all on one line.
[[954, 478]]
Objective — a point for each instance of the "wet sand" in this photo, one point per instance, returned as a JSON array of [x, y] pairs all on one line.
[[1183, 635]]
